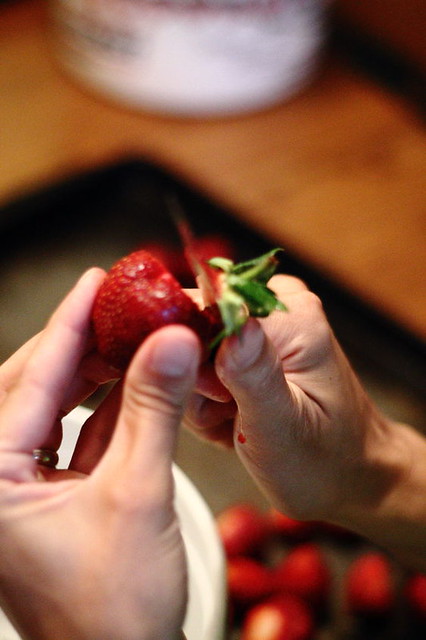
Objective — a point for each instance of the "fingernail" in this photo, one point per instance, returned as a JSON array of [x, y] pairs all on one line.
[[174, 360], [246, 349]]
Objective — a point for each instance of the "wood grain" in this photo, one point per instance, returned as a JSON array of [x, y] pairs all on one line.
[[336, 174]]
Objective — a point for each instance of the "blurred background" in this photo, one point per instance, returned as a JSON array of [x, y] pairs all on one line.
[[330, 167]]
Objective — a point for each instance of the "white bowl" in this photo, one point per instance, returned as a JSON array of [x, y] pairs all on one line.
[[205, 616]]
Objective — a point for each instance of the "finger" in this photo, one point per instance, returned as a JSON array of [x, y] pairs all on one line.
[[91, 374], [11, 369], [284, 285], [209, 385], [158, 383], [250, 368], [211, 420], [93, 369], [96, 433], [30, 409]]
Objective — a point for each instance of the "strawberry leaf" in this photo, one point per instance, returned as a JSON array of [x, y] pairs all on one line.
[[243, 291], [260, 269], [239, 290], [260, 300]]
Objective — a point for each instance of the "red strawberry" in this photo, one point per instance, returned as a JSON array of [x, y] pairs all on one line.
[[285, 618], [242, 529], [172, 258], [139, 295], [248, 580], [415, 593], [208, 247], [214, 245], [304, 572], [289, 527], [369, 585]]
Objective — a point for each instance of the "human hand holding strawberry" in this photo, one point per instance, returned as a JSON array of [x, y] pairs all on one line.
[[70, 542], [314, 442]]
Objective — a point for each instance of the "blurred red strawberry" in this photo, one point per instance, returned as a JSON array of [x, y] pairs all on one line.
[[415, 594], [284, 618], [242, 528], [304, 572], [173, 259], [369, 586], [213, 245], [248, 580]]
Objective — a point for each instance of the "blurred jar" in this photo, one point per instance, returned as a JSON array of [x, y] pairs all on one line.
[[191, 57]]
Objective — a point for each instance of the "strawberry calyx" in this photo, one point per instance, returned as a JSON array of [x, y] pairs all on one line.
[[238, 290], [241, 291]]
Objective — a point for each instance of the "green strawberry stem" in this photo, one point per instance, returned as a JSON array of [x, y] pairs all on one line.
[[244, 291], [239, 290]]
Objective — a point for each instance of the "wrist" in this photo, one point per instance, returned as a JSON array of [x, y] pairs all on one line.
[[390, 508]]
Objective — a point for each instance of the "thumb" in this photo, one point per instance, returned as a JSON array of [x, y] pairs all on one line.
[[158, 382], [249, 366]]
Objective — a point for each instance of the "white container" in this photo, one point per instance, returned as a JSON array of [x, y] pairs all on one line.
[[190, 57], [205, 617]]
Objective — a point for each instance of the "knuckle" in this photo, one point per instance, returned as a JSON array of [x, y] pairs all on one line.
[[284, 284], [140, 397], [315, 318], [312, 302]]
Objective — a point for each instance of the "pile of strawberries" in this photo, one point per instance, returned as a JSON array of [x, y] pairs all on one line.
[[292, 580]]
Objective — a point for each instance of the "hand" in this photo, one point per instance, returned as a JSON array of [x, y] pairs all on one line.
[[296, 402], [97, 556], [314, 441]]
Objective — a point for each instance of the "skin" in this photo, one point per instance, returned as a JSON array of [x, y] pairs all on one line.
[[315, 444], [70, 542]]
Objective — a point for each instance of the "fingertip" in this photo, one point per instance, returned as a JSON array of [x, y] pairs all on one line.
[[239, 353], [173, 352], [92, 276], [209, 385], [79, 300]]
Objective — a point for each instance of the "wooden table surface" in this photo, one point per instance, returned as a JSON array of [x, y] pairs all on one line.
[[336, 174]]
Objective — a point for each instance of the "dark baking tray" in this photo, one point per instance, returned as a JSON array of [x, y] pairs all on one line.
[[126, 204]]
